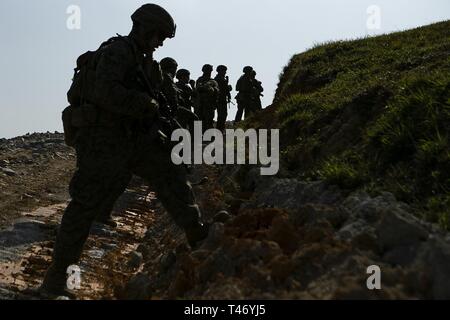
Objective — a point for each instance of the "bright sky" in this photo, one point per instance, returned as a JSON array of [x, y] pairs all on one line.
[[38, 50]]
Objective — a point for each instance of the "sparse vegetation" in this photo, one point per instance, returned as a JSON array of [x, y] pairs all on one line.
[[372, 113]]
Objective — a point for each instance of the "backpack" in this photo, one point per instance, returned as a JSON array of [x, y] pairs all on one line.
[[80, 113]]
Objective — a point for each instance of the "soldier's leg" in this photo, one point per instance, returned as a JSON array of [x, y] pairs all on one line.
[[105, 212], [203, 117], [191, 123], [100, 164], [248, 109], [210, 117], [222, 114], [170, 183], [239, 112]]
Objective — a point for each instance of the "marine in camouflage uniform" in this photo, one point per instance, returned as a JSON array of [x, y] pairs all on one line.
[[186, 91], [245, 94], [173, 94], [186, 117], [169, 68], [121, 143], [207, 94], [256, 104], [224, 96]]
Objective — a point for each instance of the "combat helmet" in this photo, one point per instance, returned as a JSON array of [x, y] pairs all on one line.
[[247, 69], [221, 68], [168, 64], [155, 17], [183, 73], [207, 68]]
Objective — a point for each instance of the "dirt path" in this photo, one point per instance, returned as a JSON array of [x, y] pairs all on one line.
[[109, 258]]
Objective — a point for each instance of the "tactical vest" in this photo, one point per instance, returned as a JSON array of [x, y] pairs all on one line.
[[82, 111]]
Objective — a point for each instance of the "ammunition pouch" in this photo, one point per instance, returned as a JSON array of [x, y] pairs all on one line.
[[70, 131], [87, 115]]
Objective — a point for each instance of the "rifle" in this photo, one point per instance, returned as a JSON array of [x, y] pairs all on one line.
[[166, 122]]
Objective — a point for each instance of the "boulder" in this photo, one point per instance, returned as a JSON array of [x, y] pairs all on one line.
[[399, 228], [138, 288]]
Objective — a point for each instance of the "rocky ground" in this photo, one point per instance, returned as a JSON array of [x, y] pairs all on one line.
[[287, 238], [34, 172]]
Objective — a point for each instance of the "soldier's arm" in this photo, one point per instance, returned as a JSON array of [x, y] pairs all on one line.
[[111, 94], [260, 86], [170, 91]]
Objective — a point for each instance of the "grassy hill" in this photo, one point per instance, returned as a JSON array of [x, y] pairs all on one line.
[[371, 114]]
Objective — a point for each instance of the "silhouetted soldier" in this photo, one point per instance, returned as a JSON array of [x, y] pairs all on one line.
[[207, 94], [256, 104], [186, 90], [224, 96], [119, 141], [244, 97], [169, 68]]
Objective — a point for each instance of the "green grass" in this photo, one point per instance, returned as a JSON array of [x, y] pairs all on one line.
[[372, 113]]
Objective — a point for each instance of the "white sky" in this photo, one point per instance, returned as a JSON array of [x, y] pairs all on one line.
[[38, 51]]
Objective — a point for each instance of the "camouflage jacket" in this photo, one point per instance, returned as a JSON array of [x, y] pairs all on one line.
[[258, 88], [186, 95], [170, 91], [244, 86], [119, 84], [207, 90], [224, 88]]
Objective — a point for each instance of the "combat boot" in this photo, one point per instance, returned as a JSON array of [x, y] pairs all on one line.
[[222, 217], [196, 233], [108, 221], [54, 284]]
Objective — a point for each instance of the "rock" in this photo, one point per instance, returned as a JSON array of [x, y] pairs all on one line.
[[366, 241], [218, 262], [281, 267], [180, 285], [258, 276], [144, 249], [8, 172], [353, 229], [292, 194], [401, 255], [284, 233], [363, 206], [135, 260], [222, 216], [96, 253], [200, 255], [102, 230], [215, 235], [434, 259], [312, 213], [109, 246], [24, 231], [399, 228], [252, 179], [167, 261], [138, 288], [244, 251]]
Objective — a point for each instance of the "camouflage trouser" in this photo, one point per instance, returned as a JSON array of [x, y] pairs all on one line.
[[207, 115], [186, 118], [243, 105], [222, 113], [105, 211], [106, 161]]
